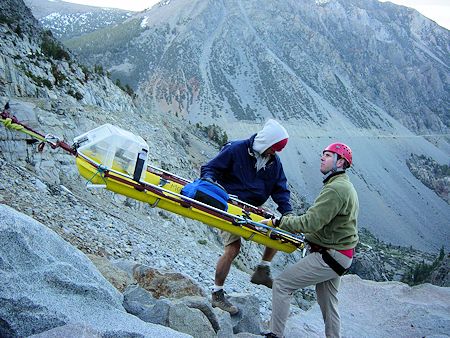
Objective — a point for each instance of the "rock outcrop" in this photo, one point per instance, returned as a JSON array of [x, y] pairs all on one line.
[[47, 283]]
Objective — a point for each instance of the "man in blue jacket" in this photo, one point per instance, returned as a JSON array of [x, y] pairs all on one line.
[[251, 170]]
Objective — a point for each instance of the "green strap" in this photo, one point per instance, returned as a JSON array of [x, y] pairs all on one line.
[[101, 169]]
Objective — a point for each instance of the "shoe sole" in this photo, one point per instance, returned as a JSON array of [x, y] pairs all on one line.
[[258, 283]]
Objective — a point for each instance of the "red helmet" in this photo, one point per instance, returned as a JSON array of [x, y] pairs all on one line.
[[341, 149]]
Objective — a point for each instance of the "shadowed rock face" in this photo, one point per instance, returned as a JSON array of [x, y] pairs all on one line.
[[441, 275], [434, 176], [17, 13]]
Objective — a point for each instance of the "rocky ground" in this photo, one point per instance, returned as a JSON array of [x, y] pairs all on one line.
[[53, 289]]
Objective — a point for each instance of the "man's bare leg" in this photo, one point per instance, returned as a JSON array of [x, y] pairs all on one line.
[[224, 263], [268, 254]]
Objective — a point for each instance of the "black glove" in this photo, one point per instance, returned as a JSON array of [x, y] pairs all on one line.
[[274, 222]]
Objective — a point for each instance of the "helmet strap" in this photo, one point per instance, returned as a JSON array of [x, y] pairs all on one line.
[[334, 169], [335, 159]]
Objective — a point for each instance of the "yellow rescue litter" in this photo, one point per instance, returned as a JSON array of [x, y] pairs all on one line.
[[115, 159]]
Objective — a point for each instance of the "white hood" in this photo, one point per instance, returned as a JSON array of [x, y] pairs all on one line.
[[272, 133]]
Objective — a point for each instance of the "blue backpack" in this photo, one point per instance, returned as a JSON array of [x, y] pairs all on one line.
[[208, 192]]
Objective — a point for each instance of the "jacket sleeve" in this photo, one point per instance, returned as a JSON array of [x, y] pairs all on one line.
[[281, 194], [216, 167], [326, 206]]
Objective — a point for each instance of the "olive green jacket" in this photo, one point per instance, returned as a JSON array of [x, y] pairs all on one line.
[[331, 221]]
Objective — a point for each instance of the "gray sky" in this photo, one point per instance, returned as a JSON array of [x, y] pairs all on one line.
[[436, 10]]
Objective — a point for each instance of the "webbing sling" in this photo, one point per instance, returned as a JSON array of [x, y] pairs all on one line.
[[327, 258], [332, 263]]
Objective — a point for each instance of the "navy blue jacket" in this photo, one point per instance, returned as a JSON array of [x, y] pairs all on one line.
[[234, 168]]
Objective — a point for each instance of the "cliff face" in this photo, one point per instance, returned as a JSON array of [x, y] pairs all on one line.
[[434, 176], [35, 64]]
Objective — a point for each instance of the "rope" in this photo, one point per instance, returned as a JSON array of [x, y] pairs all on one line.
[[11, 122]]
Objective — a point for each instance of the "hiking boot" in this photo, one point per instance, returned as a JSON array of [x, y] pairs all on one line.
[[262, 276], [219, 300]]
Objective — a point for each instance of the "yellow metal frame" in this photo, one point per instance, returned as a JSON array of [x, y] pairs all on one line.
[[124, 185]]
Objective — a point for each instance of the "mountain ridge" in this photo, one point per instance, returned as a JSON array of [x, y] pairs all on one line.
[[301, 55], [68, 20]]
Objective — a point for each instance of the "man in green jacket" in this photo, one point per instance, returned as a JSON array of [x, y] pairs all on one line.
[[330, 228]]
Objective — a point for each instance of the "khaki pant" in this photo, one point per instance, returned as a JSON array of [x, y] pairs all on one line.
[[311, 270], [228, 238]]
